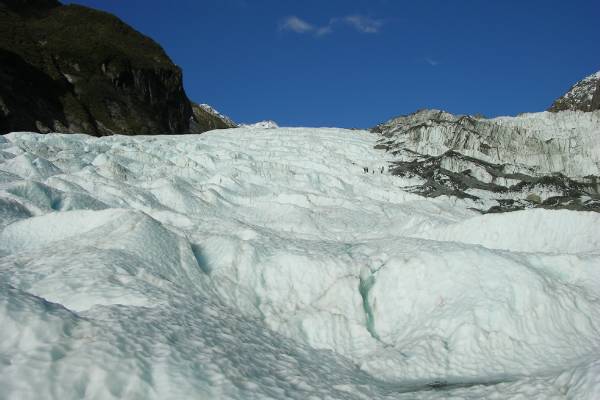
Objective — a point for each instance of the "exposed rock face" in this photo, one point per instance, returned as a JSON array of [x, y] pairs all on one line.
[[507, 163], [583, 96], [206, 118], [74, 69]]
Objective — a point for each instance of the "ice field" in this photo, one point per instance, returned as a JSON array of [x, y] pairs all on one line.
[[279, 264]]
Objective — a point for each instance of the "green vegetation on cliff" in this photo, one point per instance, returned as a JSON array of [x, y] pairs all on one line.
[[74, 69]]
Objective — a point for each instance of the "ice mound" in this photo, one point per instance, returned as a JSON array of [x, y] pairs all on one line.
[[279, 263], [459, 311], [536, 230], [81, 259]]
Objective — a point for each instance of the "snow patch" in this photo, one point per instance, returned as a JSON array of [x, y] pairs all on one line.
[[261, 125]]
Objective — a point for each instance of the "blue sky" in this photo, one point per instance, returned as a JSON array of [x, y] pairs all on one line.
[[355, 63]]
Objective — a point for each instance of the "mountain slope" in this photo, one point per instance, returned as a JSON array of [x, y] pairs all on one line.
[[547, 160], [206, 118], [74, 69], [583, 96]]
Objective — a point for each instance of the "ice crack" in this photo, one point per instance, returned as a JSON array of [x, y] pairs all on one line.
[[364, 286]]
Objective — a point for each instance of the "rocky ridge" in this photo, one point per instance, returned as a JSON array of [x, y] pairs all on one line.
[[549, 160], [206, 118], [70, 68]]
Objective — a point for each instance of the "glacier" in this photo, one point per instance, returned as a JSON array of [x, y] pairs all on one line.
[[287, 263]]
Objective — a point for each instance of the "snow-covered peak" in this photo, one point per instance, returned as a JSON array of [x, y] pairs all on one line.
[[268, 124], [213, 111], [583, 96], [205, 118]]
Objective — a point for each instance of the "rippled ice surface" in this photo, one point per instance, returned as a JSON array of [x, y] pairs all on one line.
[[279, 264]]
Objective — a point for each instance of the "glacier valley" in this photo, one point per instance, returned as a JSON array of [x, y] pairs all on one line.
[[296, 263]]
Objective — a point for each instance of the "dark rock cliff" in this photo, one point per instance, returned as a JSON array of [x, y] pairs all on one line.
[[75, 69]]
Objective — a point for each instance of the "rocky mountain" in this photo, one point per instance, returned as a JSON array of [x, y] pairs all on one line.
[[549, 160], [583, 96], [206, 118], [70, 68]]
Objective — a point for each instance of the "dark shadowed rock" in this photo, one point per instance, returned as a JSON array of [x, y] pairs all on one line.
[[206, 118], [29, 7], [75, 69]]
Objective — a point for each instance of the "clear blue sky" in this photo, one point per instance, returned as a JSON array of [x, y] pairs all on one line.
[[354, 63]]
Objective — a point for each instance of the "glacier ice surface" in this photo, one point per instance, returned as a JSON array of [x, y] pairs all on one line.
[[279, 263]]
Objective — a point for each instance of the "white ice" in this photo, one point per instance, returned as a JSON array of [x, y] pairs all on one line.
[[279, 264]]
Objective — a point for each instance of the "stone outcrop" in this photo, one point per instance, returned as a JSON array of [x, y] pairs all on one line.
[[70, 68], [507, 163]]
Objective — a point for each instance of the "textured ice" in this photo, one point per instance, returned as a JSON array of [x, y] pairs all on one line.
[[540, 143], [267, 124], [276, 264], [549, 160]]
